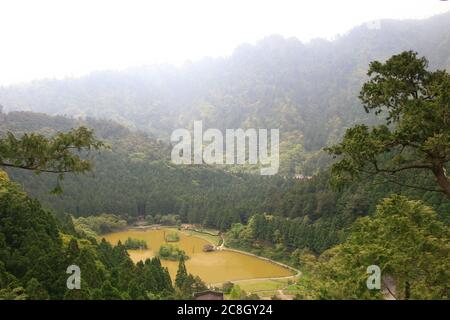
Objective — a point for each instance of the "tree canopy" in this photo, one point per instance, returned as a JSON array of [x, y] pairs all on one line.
[[416, 135], [59, 154], [405, 239]]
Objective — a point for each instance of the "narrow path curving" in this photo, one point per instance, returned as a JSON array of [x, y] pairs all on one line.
[[294, 276]]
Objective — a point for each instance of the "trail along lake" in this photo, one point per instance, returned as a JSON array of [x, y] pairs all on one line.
[[211, 267]]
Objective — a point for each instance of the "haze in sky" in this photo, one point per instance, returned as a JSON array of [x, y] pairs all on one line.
[[59, 38]]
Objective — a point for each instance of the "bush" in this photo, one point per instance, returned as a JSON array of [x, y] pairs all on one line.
[[171, 252], [227, 287], [132, 243], [172, 237], [104, 223]]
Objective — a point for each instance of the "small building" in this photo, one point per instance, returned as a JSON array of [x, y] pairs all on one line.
[[208, 295], [208, 248]]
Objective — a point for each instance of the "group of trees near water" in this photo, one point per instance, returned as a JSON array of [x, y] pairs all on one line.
[[35, 247], [132, 243], [405, 239], [169, 251], [134, 178], [407, 242], [35, 252], [93, 226], [314, 215], [185, 283]]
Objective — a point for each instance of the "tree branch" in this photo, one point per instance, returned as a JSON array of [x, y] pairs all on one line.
[[409, 186], [413, 166], [33, 168]]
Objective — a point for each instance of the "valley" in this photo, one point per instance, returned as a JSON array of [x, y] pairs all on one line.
[[93, 178]]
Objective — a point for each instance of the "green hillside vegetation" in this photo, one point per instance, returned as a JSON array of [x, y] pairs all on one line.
[[379, 191], [97, 225], [315, 213], [34, 258], [308, 90], [144, 182], [404, 238]]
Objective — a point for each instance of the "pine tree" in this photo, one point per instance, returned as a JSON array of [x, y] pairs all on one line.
[[73, 250], [35, 290], [181, 274]]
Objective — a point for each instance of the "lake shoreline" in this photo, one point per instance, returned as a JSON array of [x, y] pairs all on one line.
[[222, 247]]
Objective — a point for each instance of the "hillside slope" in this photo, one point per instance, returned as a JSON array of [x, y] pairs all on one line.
[[309, 90]]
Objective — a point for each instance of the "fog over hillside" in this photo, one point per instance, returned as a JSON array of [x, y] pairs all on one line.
[[301, 153], [307, 90]]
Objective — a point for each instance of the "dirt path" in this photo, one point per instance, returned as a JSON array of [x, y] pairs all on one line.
[[283, 296], [223, 247], [294, 276]]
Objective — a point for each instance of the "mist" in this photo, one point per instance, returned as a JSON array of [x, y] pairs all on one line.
[[58, 39]]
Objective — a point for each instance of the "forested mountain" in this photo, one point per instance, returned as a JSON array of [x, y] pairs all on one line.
[[367, 103], [135, 179], [309, 90], [35, 252]]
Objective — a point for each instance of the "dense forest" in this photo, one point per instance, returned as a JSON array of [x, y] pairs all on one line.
[[364, 118], [146, 184], [135, 178], [35, 252], [309, 90]]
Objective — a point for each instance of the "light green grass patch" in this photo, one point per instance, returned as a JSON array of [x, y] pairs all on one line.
[[214, 239]]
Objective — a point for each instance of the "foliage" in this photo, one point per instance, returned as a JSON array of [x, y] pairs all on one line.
[[308, 90], [312, 214], [132, 243], [171, 252], [97, 225], [146, 186], [173, 237], [30, 246], [181, 273], [56, 155], [278, 83], [416, 136], [34, 258], [187, 284], [404, 238], [227, 287], [237, 293]]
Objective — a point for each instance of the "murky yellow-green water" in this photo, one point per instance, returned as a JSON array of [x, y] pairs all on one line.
[[211, 267]]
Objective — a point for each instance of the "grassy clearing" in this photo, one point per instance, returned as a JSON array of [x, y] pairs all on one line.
[[263, 285], [214, 239], [293, 287], [269, 287]]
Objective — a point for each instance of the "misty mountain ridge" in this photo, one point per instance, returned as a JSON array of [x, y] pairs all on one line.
[[307, 90]]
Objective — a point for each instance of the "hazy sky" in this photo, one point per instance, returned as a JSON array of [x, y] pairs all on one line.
[[58, 38]]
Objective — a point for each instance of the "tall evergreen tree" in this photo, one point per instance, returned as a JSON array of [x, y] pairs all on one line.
[[416, 135], [181, 274]]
